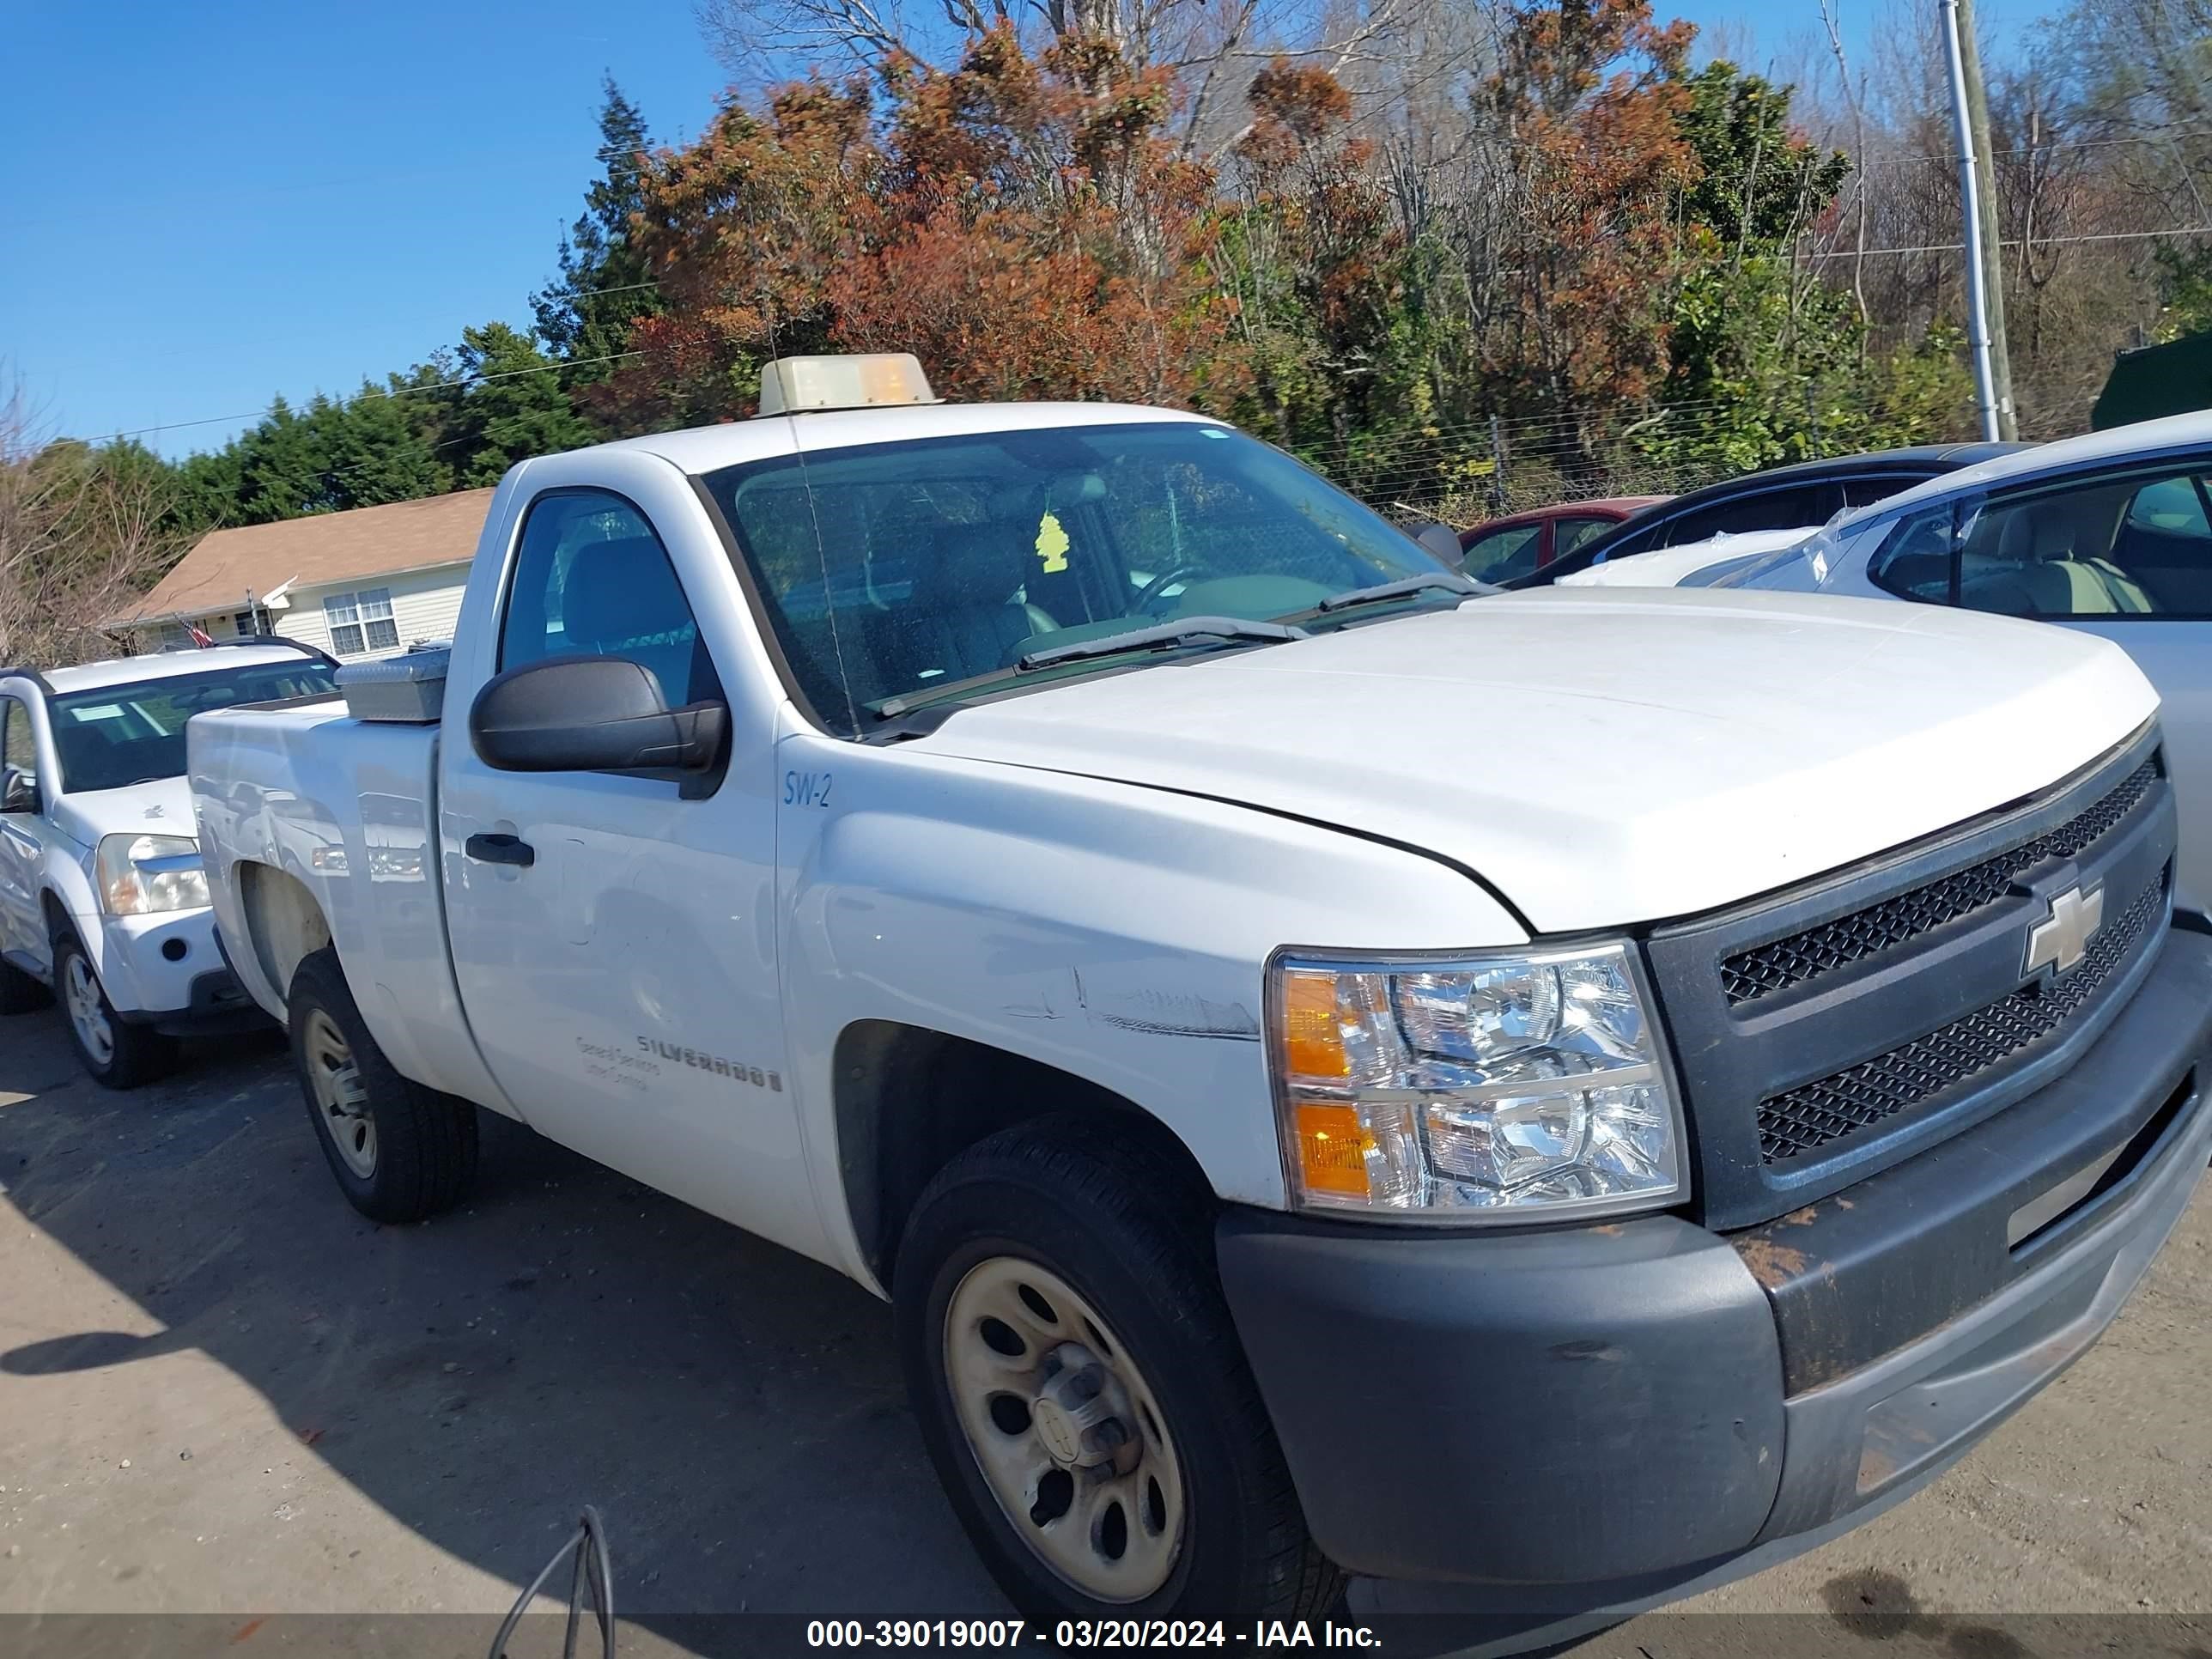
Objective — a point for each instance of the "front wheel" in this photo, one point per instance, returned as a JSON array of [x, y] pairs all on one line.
[[1082, 1391], [114, 1052], [400, 1152]]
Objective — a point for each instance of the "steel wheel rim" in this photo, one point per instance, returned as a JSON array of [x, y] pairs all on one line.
[[87, 1016], [1067, 1431], [341, 1097]]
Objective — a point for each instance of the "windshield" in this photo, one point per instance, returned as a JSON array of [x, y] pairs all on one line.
[[117, 735], [890, 571]]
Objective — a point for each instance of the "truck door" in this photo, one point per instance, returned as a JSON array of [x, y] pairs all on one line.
[[621, 983]]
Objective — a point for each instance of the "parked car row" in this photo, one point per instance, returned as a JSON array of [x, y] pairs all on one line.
[[2108, 534], [1531, 549], [1671, 1072]]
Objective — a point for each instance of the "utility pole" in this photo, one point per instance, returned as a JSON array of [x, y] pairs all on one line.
[[1986, 394], [1983, 206], [1985, 385]]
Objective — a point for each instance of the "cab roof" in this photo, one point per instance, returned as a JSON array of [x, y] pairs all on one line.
[[701, 449]]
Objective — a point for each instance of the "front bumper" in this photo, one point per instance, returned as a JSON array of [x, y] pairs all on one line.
[[168, 971], [1545, 1424]]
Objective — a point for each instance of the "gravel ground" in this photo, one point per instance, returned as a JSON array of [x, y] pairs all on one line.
[[223, 1394]]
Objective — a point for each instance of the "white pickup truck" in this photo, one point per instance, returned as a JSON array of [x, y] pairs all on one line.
[[1526, 1102]]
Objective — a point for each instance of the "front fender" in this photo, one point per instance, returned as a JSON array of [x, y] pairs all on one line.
[[67, 883], [1113, 932]]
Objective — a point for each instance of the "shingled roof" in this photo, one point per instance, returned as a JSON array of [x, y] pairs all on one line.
[[226, 565]]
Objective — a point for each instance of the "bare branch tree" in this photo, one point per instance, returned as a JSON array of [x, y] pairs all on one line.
[[80, 539]]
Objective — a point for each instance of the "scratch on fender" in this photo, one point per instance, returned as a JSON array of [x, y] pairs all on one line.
[[1147, 1011]]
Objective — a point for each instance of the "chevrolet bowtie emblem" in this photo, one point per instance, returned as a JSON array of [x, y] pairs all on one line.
[[2061, 940]]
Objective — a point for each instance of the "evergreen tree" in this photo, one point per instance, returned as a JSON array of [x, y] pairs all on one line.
[[515, 408], [586, 313]]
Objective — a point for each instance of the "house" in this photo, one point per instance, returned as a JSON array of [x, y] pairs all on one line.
[[357, 583]]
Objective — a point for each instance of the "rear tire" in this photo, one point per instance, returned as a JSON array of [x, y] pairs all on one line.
[[18, 992], [114, 1052], [1082, 1391], [399, 1151]]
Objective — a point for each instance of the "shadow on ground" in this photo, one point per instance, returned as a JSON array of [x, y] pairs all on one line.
[[568, 1337]]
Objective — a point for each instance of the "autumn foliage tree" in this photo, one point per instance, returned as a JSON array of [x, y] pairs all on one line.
[[1020, 223]]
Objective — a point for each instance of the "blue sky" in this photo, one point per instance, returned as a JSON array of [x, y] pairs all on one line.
[[207, 205]]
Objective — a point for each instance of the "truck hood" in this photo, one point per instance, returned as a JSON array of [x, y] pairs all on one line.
[[1603, 757], [162, 807]]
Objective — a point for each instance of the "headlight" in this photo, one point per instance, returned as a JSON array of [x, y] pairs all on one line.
[[1508, 1087], [149, 875]]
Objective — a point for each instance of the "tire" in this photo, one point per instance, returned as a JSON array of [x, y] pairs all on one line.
[[399, 1151], [1068, 1210], [114, 1052], [18, 992]]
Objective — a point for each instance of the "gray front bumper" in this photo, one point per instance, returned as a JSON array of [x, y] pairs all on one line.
[[1574, 1424]]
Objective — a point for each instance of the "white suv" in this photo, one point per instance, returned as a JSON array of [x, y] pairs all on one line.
[[101, 894]]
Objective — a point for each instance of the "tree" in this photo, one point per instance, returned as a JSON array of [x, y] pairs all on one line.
[[513, 407], [587, 314], [1021, 223], [83, 530], [1576, 241]]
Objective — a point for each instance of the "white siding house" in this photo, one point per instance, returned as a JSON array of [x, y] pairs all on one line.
[[357, 585]]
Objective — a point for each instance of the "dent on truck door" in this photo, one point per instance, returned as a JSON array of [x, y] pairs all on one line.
[[609, 936]]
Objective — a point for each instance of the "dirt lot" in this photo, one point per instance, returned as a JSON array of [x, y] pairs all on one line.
[[223, 1393]]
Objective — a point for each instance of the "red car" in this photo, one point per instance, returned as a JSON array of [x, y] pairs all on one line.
[[1514, 546]]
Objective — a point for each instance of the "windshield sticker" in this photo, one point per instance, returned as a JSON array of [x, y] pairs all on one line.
[[1051, 545], [106, 711]]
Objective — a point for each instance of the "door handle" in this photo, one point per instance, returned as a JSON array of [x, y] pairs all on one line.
[[500, 849]]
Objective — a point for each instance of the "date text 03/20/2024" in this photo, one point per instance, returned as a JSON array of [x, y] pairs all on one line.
[[1085, 1633]]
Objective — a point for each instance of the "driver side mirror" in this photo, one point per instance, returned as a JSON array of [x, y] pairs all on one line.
[[1443, 541], [592, 715], [19, 794]]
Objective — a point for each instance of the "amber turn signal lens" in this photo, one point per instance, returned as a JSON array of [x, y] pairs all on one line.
[[1313, 1041], [1333, 1147]]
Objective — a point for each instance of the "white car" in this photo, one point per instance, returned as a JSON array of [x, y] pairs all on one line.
[[101, 894], [2108, 534], [1336, 1070], [1697, 564]]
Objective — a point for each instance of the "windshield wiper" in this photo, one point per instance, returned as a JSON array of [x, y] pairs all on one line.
[[1159, 635], [1190, 630], [1450, 582]]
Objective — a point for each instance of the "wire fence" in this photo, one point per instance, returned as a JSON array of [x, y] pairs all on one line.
[[1465, 472]]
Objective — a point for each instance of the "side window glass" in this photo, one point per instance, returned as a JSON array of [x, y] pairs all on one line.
[[2107, 548], [1642, 541], [1568, 534], [1865, 492], [1502, 554], [1772, 509], [591, 577], [1914, 560], [18, 750]]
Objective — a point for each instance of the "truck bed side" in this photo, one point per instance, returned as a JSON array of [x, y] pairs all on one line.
[[318, 828]]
